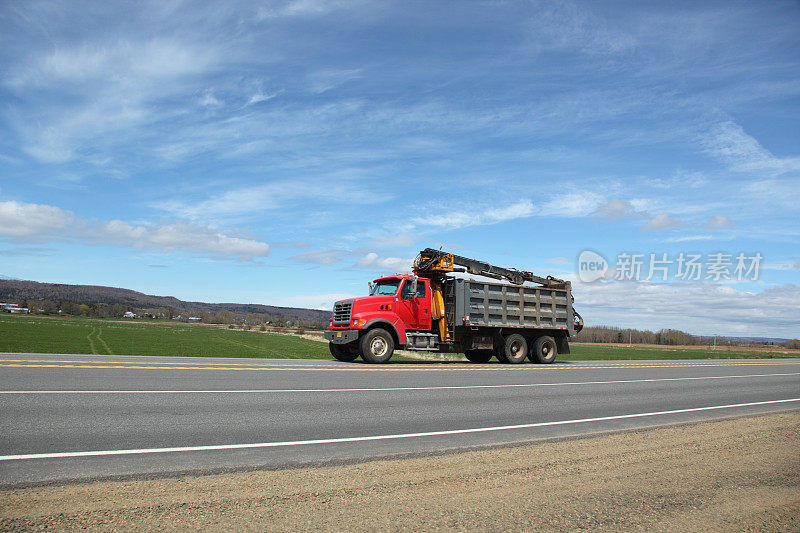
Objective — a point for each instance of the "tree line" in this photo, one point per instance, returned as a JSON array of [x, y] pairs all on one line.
[[667, 337], [102, 310]]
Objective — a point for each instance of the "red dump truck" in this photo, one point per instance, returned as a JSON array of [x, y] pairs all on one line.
[[527, 317]]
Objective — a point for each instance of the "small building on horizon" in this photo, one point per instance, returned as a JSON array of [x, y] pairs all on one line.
[[14, 308]]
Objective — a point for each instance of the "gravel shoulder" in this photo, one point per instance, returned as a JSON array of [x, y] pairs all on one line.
[[737, 474]]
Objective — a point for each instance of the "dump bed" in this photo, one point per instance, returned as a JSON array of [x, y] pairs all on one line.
[[478, 303]]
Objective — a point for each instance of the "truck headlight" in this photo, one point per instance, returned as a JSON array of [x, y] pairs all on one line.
[[359, 322]]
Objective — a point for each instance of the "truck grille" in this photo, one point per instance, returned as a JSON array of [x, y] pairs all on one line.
[[341, 312]]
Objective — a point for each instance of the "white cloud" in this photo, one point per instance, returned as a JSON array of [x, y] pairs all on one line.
[[33, 220], [520, 209], [324, 80], [774, 193], [690, 238], [394, 264], [298, 8], [718, 222], [662, 222], [260, 97], [103, 89], [321, 257], [453, 219], [784, 266], [492, 215], [122, 61], [209, 100], [744, 153], [566, 25], [714, 308], [178, 236], [403, 240], [272, 195], [370, 260], [616, 208], [572, 204], [681, 179]]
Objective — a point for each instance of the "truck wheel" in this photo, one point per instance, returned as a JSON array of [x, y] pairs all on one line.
[[376, 346], [544, 350], [342, 352], [499, 352], [514, 349], [478, 356]]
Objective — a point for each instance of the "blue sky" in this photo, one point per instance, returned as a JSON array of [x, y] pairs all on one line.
[[288, 152]]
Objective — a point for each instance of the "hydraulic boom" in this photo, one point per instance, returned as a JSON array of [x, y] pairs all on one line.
[[438, 263]]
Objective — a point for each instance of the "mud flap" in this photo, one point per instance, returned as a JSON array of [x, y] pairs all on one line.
[[562, 344]]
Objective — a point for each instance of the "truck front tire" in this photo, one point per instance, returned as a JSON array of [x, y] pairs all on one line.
[[342, 352], [376, 346], [513, 350], [544, 350]]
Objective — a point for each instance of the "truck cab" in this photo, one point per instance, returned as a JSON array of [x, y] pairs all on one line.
[[396, 305]]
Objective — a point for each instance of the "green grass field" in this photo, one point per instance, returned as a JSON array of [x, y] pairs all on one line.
[[590, 353], [32, 334]]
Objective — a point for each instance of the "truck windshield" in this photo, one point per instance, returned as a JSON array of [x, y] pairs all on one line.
[[384, 287]]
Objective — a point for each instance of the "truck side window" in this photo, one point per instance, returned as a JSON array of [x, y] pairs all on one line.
[[420, 289], [406, 292]]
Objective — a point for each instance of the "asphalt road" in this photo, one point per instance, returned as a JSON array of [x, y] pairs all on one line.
[[73, 417]]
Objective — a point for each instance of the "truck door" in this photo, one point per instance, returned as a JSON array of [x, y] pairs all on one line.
[[415, 310]]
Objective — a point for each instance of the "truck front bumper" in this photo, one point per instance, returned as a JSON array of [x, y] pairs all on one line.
[[341, 336]]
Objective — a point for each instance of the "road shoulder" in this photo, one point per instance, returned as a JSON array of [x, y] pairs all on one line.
[[734, 474]]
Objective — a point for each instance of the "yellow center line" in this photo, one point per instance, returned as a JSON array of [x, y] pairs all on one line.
[[290, 366], [123, 362], [584, 364], [241, 367]]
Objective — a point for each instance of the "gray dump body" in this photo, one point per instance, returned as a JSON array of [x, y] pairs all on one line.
[[481, 304]]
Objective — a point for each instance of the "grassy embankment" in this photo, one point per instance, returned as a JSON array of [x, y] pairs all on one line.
[[32, 334]]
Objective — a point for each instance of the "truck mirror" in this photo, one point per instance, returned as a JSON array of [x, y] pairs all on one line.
[[414, 288], [371, 288]]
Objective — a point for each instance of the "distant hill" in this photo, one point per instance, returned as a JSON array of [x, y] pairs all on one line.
[[776, 340], [57, 292], [752, 340]]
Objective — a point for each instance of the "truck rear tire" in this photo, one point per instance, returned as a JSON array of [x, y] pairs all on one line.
[[478, 356], [376, 346], [342, 352], [544, 350], [514, 349]]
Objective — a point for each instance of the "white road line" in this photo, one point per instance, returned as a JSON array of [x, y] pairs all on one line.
[[389, 389], [215, 447]]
